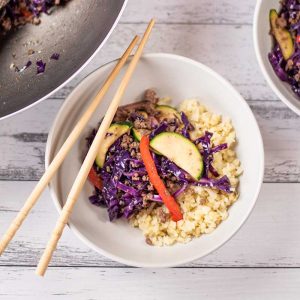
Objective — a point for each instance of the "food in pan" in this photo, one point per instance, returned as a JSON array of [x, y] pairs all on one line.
[[17, 13], [285, 54], [172, 172]]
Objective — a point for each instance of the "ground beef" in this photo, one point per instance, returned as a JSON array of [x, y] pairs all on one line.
[[127, 142], [171, 186], [289, 65], [148, 241], [162, 215]]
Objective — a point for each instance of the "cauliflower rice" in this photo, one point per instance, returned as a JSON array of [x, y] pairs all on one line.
[[203, 208]]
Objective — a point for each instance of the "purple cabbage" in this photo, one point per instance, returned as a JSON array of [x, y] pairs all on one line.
[[288, 71], [97, 200], [41, 66], [187, 125], [161, 128], [120, 199], [180, 190], [208, 152], [276, 64], [124, 185], [166, 167], [127, 189], [157, 198], [55, 56], [219, 148], [222, 183]]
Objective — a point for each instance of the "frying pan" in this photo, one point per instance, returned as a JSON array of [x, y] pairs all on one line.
[[76, 31]]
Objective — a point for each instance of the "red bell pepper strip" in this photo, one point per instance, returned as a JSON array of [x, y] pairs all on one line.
[[158, 184], [95, 179]]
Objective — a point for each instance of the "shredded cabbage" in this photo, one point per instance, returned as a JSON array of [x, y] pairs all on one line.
[[125, 181], [288, 71]]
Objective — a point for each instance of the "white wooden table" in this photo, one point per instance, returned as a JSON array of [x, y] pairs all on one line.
[[262, 261]]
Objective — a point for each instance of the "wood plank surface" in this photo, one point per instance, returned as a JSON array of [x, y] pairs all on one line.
[[228, 49], [135, 284], [23, 141], [270, 237], [190, 11]]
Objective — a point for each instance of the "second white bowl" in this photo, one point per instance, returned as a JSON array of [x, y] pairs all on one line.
[[263, 45]]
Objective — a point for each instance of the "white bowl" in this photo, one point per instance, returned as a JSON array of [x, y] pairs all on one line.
[[179, 78], [263, 45]]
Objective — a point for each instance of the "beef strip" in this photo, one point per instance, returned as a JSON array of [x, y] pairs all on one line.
[[147, 104]]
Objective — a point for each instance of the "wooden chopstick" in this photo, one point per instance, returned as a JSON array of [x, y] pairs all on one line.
[[64, 150], [90, 158]]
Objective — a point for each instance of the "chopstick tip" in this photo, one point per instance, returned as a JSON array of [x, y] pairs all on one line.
[[39, 273], [152, 21]]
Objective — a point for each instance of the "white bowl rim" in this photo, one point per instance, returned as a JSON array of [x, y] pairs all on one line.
[[261, 64], [188, 259]]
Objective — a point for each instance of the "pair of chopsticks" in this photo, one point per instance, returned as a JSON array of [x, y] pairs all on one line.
[[89, 159]]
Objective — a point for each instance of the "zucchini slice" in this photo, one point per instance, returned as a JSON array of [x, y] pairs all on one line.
[[179, 150], [137, 134], [143, 114], [282, 36], [115, 131], [168, 111]]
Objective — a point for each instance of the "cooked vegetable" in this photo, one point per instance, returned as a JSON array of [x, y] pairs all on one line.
[[285, 54], [276, 60], [114, 132], [167, 168], [159, 129], [282, 35], [41, 66], [179, 150], [95, 179], [157, 198], [136, 134], [55, 56], [168, 111], [187, 125], [143, 114], [135, 178], [222, 183], [18, 12], [154, 178], [208, 153], [121, 195]]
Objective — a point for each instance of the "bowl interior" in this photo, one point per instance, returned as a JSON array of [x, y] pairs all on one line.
[[178, 78], [263, 45]]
